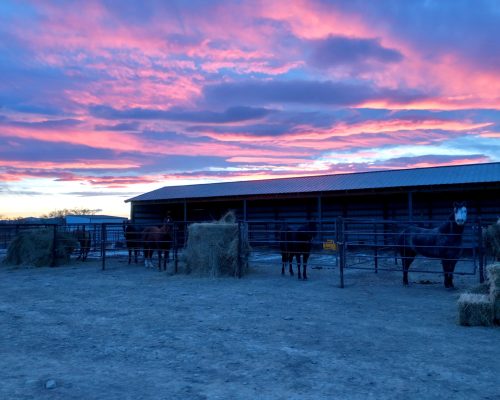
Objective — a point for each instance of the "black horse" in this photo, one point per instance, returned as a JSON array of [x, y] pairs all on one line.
[[132, 239], [84, 240], [443, 242], [160, 240], [296, 244]]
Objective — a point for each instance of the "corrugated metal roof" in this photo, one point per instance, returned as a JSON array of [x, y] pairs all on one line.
[[448, 175]]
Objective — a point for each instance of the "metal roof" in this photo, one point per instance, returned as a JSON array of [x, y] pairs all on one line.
[[447, 175]]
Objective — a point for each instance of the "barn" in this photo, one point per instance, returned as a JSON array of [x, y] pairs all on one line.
[[397, 195]]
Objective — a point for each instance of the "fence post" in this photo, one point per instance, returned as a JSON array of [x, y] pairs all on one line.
[[240, 236], [174, 246], [341, 249], [480, 251], [53, 262], [103, 245], [376, 248]]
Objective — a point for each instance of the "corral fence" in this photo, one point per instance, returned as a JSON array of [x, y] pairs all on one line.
[[340, 243]]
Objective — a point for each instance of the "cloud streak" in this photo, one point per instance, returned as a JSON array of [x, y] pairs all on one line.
[[102, 98]]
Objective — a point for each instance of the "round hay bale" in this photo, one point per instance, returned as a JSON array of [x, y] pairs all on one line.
[[36, 248], [493, 273], [491, 237], [217, 248], [475, 310]]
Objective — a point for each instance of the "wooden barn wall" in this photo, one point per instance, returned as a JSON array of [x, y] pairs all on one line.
[[431, 205]]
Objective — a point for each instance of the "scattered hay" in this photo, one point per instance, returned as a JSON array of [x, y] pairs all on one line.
[[36, 248], [475, 310], [217, 248]]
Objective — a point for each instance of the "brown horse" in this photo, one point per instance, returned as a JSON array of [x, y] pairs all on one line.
[[157, 239], [132, 240], [296, 244], [443, 242], [84, 240]]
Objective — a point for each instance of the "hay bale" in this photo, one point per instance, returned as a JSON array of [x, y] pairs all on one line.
[[483, 288], [215, 248], [35, 248], [475, 310], [493, 272], [491, 237]]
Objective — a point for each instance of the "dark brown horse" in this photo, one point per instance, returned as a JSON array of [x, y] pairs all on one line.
[[443, 242], [84, 240], [296, 244], [157, 239], [132, 239]]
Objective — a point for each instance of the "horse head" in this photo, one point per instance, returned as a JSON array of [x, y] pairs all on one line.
[[460, 213]]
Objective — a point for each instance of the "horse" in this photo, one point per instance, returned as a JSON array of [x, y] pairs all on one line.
[[443, 242], [157, 239], [296, 244], [84, 240], [132, 240], [284, 240]]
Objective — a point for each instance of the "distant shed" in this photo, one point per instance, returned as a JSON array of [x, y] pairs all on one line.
[[405, 194], [93, 219]]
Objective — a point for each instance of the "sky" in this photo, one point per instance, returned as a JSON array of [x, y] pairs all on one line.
[[103, 100]]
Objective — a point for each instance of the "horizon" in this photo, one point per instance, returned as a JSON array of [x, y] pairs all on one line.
[[101, 103]]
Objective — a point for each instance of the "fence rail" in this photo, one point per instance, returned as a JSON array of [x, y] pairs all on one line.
[[337, 243]]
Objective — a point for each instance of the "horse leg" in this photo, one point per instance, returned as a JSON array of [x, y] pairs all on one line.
[[290, 263], [129, 255], [159, 259], [448, 269], [407, 258], [136, 255], [305, 257], [166, 258], [297, 257], [284, 259]]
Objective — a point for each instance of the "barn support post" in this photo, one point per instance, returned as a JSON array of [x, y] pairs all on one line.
[[480, 254], [174, 247], [240, 237], [245, 210], [410, 206], [341, 249], [103, 246], [185, 211], [376, 247], [320, 219]]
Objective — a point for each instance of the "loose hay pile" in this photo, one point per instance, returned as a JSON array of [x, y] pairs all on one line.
[[217, 248], [36, 248], [481, 306]]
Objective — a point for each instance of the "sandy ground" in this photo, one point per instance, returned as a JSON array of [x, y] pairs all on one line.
[[76, 332]]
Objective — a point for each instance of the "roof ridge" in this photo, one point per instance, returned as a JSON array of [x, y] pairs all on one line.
[[322, 182]]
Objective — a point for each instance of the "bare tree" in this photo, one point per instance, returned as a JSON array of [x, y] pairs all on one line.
[[70, 211]]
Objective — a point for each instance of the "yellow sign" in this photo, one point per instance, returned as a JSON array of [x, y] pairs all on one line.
[[330, 245]]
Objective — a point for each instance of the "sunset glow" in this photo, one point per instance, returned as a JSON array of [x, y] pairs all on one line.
[[101, 101]]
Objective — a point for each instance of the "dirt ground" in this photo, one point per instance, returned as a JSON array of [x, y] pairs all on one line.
[[76, 332]]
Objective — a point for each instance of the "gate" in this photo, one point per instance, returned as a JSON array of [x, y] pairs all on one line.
[[373, 245], [346, 243]]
